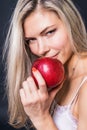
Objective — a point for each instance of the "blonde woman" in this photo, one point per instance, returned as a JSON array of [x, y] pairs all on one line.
[[47, 28]]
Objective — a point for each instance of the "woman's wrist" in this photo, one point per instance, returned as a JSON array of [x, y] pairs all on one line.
[[45, 123]]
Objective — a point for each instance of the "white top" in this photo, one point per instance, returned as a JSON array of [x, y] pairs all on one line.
[[62, 115]]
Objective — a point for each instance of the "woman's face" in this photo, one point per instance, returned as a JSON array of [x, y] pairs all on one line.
[[47, 35]]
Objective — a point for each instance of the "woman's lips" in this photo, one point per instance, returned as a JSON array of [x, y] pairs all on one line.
[[55, 56]]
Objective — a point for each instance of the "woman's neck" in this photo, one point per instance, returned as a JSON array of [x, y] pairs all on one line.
[[76, 67], [72, 67]]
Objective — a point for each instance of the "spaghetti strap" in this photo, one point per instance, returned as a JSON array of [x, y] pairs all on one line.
[[85, 78]]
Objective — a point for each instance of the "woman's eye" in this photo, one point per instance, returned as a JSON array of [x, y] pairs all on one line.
[[50, 32], [28, 41]]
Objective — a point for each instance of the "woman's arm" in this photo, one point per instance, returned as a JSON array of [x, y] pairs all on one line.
[[45, 124]]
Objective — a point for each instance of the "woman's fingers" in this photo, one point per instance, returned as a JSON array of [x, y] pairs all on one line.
[[22, 95], [31, 84], [41, 82], [31, 93]]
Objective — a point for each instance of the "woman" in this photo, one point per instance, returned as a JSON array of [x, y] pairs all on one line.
[[47, 28]]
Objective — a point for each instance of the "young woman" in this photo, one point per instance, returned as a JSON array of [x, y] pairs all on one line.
[[47, 28]]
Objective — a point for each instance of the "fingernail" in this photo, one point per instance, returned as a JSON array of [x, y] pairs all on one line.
[[34, 69]]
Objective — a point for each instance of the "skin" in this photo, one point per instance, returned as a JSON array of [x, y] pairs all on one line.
[[48, 37]]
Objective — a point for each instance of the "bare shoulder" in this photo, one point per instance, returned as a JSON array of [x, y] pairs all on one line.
[[83, 89], [82, 102], [82, 107]]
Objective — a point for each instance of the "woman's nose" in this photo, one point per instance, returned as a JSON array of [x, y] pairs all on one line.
[[43, 47]]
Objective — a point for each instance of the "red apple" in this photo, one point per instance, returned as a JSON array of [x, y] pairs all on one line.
[[51, 69]]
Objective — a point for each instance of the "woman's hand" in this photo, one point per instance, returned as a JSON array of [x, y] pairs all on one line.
[[37, 100]]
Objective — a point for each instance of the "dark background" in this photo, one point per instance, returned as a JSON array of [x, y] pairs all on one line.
[[6, 8]]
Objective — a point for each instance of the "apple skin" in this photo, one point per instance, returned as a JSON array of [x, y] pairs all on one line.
[[52, 70]]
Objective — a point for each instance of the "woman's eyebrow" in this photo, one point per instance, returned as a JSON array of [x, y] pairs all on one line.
[[42, 32], [46, 29]]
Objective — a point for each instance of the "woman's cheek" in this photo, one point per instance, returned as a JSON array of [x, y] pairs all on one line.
[[33, 48]]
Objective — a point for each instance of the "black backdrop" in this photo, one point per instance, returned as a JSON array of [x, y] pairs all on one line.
[[6, 8]]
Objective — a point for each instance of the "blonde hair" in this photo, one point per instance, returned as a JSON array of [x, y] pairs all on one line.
[[19, 59]]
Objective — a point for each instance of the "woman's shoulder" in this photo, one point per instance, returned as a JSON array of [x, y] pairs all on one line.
[[83, 85], [82, 103], [83, 94]]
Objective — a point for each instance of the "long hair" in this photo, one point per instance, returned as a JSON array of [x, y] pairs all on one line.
[[19, 57]]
